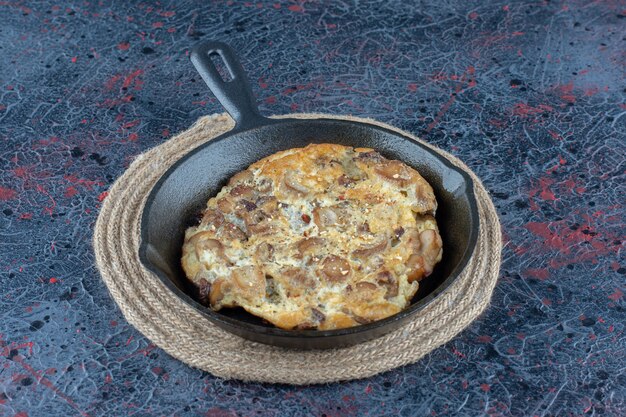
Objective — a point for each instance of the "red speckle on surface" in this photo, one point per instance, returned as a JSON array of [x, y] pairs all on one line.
[[484, 339], [18, 377], [6, 349], [270, 100], [497, 123], [540, 229], [88, 184], [50, 209], [546, 302], [473, 15], [103, 195], [110, 84], [132, 78], [53, 280], [70, 192], [587, 244], [524, 110], [547, 195], [165, 133], [128, 125], [543, 191], [566, 92], [538, 273], [465, 384], [40, 379], [123, 46], [108, 379], [114, 102], [368, 389], [167, 14], [485, 387], [7, 194], [51, 140], [133, 137], [458, 352], [295, 8], [555, 135], [505, 8], [458, 89], [219, 412], [412, 87], [443, 111], [26, 216], [74, 59], [158, 371], [591, 91], [21, 414], [157, 25], [617, 295]]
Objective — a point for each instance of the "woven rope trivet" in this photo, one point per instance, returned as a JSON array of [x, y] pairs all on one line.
[[183, 333]]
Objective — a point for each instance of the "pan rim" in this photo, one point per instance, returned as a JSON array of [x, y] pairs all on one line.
[[230, 324]]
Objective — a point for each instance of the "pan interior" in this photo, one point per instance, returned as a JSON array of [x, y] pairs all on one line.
[[183, 191]]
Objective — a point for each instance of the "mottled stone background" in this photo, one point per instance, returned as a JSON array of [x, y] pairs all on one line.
[[529, 94]]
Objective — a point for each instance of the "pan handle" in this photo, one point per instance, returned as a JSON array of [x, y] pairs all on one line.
[[234, 94]]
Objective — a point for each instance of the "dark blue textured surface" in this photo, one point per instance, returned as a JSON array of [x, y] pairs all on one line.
[[529, 94]]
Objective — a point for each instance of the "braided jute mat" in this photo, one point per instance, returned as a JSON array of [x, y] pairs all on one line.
[[183, 333]]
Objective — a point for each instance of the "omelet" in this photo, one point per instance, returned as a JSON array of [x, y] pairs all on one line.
[[321, 237]]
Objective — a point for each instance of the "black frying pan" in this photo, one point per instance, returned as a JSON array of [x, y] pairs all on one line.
[[182, 192]]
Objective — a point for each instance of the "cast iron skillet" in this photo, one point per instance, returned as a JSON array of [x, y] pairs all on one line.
[[182, 192]]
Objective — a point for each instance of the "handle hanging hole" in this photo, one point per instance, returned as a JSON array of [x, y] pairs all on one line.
[[221, 67]]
